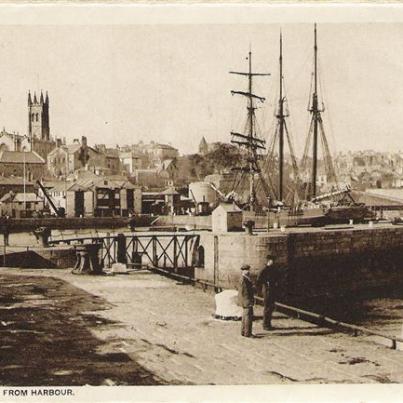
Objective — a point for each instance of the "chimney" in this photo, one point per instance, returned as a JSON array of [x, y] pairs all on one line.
[[58, 142], [84, 141]]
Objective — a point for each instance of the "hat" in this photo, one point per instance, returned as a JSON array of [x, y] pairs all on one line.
[[245, 267]]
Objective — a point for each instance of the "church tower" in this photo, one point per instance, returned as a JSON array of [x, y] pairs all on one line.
[[38, 117]]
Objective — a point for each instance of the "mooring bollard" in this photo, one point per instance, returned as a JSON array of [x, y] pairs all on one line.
[[136, 260], [87, 259], [42, 235]]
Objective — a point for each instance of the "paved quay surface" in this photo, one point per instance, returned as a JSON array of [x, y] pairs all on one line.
[[168, 329]]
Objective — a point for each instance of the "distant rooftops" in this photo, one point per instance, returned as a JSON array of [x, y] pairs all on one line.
[[20, 197], [14, 180], [21, 157]]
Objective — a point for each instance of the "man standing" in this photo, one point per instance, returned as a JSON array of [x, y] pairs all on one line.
[[267, 283], [246, 296]]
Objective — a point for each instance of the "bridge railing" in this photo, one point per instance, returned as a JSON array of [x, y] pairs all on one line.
[[168, 251]]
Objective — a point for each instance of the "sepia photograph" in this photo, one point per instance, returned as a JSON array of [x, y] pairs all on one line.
[[197, 196]]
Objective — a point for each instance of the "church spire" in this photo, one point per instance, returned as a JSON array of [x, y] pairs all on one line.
[[35, 99], [29, 98], [41, 99]]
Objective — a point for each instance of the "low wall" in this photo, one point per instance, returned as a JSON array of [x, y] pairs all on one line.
[[193, 222], [28, 224], [313, 262]]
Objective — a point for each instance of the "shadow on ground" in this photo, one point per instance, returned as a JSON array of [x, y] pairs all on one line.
[[45, 337], [382, 306]]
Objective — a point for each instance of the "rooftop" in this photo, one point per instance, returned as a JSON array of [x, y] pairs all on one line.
[[229, 207], [20, 197], [20, 157], [14, 180]]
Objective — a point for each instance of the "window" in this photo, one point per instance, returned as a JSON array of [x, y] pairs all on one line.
[[32, 117], [37, 117]]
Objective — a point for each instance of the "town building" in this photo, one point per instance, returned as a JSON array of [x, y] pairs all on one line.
[[21, 205], [97, 196], [158, 152], [132, 161], [66, 159], [23, 164], [15, 184], [112, 161], [38, 125], [13, 142]]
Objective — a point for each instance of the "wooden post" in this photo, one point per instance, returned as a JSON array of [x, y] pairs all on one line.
[[4, 253], [216, 256], [176, 269], [121, 248], [186, 251], [154, 246]]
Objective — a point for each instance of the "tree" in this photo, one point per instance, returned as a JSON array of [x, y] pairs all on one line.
[[224, 157]]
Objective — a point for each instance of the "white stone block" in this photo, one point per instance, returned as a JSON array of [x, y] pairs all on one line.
[[226, 305]]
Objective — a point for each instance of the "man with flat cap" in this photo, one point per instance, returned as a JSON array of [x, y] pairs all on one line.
[[246, 297], [266, 282]]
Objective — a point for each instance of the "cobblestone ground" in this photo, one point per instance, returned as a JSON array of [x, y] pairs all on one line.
[[169, 330]]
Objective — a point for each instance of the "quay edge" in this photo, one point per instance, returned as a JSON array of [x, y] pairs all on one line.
[[313, 262]]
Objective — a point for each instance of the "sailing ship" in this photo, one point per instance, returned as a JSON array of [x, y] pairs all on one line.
[[301, 196], [249, 141]]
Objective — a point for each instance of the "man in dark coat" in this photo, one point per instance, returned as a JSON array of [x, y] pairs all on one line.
[[246, 297], [266, 282]]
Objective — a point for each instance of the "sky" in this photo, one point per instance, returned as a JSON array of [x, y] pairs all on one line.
[[119, 84]]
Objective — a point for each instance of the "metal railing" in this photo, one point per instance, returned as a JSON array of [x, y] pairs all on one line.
[[163, 250]]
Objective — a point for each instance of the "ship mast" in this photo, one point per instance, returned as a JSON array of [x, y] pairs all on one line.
[[282, 135], [281, 117], [250, 140], [317, 131], [315, 118]]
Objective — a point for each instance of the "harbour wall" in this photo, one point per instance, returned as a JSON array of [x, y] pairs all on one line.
[[29, 224], [193, 222], [205, 222], [261, 221], [312, 262]]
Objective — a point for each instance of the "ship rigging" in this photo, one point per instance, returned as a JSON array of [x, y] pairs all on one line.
[[249, 140], [316, 132]]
